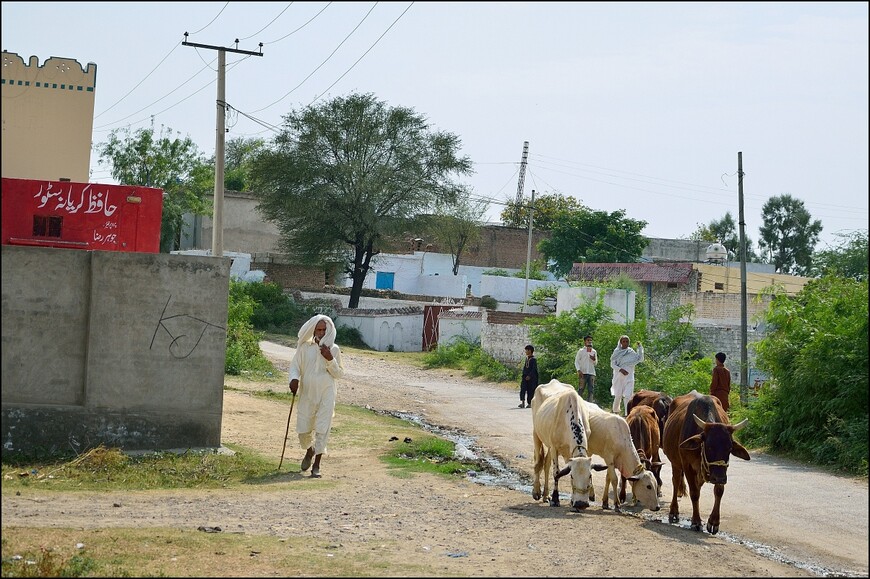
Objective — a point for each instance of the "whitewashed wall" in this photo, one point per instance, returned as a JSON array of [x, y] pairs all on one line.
[[512, 289], [619, 300], [380, 330], [463, 324]]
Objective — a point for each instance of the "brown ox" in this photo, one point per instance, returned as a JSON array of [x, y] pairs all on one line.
[[644, 428], [698, 441], [659, 401]]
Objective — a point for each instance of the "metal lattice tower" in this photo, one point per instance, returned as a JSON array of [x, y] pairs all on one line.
[[522, 180]]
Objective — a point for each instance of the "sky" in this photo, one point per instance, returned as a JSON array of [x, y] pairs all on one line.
[[642, 107]]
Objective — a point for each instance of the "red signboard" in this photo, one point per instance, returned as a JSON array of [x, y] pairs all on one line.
[[81, 215]]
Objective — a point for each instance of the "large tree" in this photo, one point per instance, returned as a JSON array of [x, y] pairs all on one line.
[[345, 175], [169, 163], [593, 236], [457, 225], [240, 153], [725, 231], [547, 206], [788, 235]]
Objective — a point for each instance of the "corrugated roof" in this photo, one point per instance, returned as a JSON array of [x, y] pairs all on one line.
[[642, 272]]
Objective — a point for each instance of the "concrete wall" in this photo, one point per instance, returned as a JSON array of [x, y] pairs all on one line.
[[503, 336], [48, 117], [399, 330], [244, 229], [619, 300], [121, 349], [455, 324], [512, 289]]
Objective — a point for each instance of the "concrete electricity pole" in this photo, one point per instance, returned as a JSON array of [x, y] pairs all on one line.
[[744, 360], [217, 234]]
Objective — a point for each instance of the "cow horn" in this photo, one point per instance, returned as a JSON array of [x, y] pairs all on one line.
[[740, 425], [698, 421]]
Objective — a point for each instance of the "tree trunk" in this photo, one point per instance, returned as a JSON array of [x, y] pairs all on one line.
[[361, 264]]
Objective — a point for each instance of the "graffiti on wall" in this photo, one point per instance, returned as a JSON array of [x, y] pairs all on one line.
[[184, 331]]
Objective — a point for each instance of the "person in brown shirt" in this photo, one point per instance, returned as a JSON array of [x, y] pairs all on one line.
[[720, 387]]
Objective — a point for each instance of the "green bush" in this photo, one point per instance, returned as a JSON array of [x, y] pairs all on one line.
[[488, 302], [274, 311], [816, 352], [466, 355], [243, 352]]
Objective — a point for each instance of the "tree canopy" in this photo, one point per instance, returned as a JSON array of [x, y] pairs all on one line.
[[457, 225], [592, 236], [159, 160], [346, 174], [547, 206], [788, 235], [724, 230]]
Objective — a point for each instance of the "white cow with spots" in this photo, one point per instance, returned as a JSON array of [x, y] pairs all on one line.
[[561, 428], [610, 438]]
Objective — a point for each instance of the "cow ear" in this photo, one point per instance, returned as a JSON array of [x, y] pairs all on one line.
[[563, 472], [738, 450], [692, 443], [599, 467]]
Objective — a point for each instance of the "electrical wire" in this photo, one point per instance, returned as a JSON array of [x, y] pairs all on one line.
[[268, 25]]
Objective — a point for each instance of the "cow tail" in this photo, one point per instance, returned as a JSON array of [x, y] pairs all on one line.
[[681, 490]]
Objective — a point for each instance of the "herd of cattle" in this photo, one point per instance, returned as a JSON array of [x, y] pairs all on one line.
[[693, 431]]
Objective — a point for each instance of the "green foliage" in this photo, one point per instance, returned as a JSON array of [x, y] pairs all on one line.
[[243, 344], [350, 337], [488, 302], [849, 259], [541, 293], [547, 206], [592, 236], [274, 311], [788, 235], [108, 469], [345, 175], [816, 352], [535, 272], [172, 164], [47, 563], [463, 354], [426, 454], [498, 272], [240, 153]]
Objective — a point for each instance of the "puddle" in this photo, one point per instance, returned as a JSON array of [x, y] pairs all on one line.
[[500, 475]]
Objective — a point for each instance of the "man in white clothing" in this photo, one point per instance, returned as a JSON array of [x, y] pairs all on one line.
[[623, 360], [585, 362], [313, 371]]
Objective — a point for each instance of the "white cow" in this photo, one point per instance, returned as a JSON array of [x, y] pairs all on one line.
[[561, 428], [610, 438]]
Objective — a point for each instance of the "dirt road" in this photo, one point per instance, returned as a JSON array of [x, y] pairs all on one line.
[[795, 513]]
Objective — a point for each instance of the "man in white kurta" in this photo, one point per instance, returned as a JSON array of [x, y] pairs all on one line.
[[313, 371], [622, 361]]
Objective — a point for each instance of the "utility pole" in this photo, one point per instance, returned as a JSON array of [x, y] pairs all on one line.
[[217, 234], [529, 251], [744, 360], [522, 181]]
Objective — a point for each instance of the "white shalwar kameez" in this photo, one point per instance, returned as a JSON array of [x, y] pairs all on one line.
[[622, 385], [317, 386]]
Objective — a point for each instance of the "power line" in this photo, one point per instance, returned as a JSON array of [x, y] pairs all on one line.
[[268, 25]]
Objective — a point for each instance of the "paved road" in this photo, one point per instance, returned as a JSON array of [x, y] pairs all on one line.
[[804, 515]]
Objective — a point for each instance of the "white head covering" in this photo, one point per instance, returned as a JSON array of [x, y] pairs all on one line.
[[306, 332], [624, 357]]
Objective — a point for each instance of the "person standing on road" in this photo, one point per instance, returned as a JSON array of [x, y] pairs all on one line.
[[585, 362], [720, 387], [530, 377], [622, 361], [313, 373]]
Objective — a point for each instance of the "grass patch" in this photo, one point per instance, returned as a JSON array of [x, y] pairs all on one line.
[[163, 552], [110, 469], [428, 454]]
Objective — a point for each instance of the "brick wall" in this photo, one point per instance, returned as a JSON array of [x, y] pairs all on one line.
[[503, 247], [724, 307]]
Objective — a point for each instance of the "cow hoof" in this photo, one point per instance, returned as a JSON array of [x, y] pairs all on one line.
[[554, 503], [536, 496], [712, 529], [672, 518], [696, 527]]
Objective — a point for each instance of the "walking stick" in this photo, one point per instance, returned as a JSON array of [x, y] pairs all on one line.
[[287, 431]]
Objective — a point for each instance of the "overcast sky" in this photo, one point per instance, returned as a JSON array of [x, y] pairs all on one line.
[[635, 106]]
